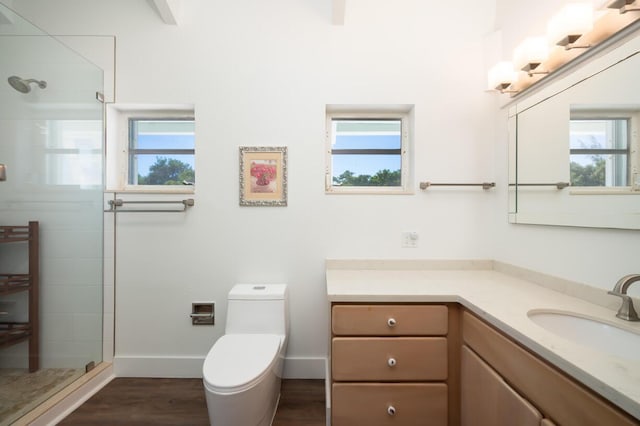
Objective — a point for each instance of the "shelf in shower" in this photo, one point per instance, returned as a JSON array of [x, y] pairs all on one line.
[[14, 283], [12, 333], [11, 234]]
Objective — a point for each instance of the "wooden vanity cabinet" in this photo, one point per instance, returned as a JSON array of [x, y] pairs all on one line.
[[559, 399], [439, 364], [389, 364]]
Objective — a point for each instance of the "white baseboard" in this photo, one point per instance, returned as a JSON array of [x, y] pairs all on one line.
[[161, 367], [191, 367], [304, 368]]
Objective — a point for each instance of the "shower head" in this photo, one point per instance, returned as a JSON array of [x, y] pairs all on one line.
[[23, 86]]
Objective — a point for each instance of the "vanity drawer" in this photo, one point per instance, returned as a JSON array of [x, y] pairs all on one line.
[[389, 320], [381, 404], [389, 358]]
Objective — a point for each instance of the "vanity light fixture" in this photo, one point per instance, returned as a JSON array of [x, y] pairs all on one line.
[[501, 77], [624, 6], [530, 54], [570, 33], [570, 23]]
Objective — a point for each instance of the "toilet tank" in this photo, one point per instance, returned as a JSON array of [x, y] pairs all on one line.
[[258, 309]]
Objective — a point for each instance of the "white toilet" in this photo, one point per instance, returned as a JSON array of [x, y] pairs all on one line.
[[242, 372]]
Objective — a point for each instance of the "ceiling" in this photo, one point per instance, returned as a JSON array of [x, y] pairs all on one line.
[[170, 10]]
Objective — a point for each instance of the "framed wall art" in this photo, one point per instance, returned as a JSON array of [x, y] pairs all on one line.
[[263, 176]]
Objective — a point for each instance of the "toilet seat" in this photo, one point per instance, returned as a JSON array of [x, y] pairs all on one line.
[[237, 361]]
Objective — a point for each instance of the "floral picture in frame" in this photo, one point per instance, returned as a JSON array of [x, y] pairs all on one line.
[[263, 176]]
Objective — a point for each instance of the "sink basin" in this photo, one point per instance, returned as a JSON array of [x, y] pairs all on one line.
[[590, 332]]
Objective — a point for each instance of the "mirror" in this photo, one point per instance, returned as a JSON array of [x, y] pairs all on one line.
[[574, 157]]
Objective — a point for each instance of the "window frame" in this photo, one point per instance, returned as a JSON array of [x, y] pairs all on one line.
[[378, 113], [117, 140]]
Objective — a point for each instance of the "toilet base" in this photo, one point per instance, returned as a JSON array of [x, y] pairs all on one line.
[[255, 406]]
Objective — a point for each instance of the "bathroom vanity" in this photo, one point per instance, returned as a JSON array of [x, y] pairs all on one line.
[[453, 342]]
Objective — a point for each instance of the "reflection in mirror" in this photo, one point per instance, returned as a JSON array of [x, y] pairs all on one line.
[[574, 157], [599, 146]]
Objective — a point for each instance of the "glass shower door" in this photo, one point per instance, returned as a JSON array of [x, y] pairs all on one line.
[[51, 146]]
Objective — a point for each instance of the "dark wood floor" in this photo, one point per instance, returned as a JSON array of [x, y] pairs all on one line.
[[128, 401]]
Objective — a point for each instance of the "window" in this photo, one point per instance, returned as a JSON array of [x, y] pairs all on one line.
[[150, 148], [161, 151], [600, 152], [367, 152]]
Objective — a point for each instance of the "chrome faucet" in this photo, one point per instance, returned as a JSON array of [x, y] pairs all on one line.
[[626, 311]]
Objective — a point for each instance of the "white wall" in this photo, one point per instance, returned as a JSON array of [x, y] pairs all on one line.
[[261, 73]]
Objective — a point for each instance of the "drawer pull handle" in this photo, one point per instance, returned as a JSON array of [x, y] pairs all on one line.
[[392, 362], [391, 410], [391, 322]]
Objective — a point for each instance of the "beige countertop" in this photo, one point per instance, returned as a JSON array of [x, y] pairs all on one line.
[[502, 299]]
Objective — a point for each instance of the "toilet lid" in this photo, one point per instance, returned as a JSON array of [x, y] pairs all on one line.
[[236, 361]]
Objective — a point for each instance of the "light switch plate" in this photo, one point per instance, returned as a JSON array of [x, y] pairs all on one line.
[[410, 239]]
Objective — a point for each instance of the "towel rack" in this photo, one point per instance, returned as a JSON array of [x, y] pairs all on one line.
[[114, 204], [558, 185], [484, 185]]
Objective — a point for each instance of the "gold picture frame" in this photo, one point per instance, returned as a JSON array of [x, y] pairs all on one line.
[[263, 176]]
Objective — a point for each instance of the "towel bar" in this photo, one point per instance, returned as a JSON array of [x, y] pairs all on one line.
[[484, 185], [114, 204]]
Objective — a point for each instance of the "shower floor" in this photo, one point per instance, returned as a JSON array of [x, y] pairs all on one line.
[[21, 391]]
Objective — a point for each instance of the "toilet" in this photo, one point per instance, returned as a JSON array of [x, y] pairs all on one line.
[[243, 369]]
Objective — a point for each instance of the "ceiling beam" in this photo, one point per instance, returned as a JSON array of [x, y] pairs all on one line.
[[337, 11], [169, 10]]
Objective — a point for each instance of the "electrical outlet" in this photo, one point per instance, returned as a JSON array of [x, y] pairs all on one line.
[[410, 239]]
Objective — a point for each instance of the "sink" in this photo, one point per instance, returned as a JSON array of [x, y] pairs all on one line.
[[594, 333]]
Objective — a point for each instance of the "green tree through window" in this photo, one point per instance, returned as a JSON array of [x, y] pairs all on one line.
[[168, 171], [590, 174], [384, 177]]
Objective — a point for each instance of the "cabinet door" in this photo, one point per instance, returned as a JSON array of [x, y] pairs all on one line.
[[487, 400], [559, 397], [389, 404]]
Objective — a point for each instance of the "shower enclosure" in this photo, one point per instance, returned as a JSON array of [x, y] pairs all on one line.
[[51, 171]]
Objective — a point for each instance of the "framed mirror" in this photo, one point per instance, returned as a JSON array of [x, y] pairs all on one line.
[[574, 157]]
